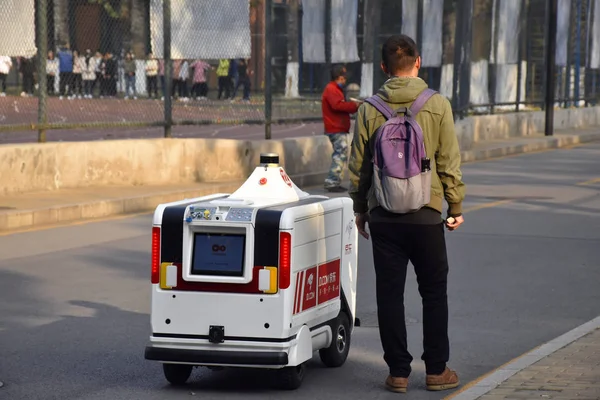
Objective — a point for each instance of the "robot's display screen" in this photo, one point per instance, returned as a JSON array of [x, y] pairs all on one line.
[[218, 254]]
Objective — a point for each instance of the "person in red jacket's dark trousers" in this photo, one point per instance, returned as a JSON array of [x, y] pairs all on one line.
[[336, 118]]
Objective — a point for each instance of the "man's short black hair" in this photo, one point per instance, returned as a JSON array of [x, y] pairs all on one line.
[[399, 53], [338, 71]]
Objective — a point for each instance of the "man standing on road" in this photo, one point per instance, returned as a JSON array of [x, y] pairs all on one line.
[[336, 118], [416, 236]]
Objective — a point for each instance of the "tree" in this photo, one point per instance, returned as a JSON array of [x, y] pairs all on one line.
[[293, 66], [121, 15], [371, 18]]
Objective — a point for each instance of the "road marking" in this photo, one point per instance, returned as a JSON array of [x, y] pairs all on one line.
[[125, 216], [486, 383], [75, 223], [590, 182], [217, 131], [488, 205]]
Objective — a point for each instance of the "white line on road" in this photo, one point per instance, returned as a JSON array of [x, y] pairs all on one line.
[[217, 131], [487, 383], [260, 134]]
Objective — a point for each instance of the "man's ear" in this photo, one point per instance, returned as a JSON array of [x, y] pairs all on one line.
[[418, 63], [384, 69]]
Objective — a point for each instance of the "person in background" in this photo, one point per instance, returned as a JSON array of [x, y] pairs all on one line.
[[199, 87], [27, 70], [78, 68], [151, 68], [243, 79], [5, 66], [98, 64], [161, 74], [88, 74], [130, 76], [336, 119], [102, 77], [184, 74], [233, 74], [175, 89], [223, 77], [51, 72], [111, 75], [65, 62]]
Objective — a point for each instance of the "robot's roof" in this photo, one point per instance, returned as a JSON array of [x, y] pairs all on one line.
[[269, 184]]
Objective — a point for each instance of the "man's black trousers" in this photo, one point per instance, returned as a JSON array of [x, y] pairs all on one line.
[[394, 245]]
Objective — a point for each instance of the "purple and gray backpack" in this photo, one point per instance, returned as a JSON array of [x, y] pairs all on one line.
[[402, 174]]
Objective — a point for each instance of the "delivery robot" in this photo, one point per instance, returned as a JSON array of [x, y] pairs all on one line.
[[261, 278]]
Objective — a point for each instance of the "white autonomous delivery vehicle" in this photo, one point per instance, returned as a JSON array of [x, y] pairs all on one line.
[[261, 278]]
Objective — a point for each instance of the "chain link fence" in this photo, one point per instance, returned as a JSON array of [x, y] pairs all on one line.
[[102, 65]]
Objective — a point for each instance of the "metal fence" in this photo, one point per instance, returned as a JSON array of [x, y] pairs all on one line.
[[85, 65]]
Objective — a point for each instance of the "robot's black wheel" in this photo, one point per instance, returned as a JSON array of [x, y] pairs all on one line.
[[335, 355], [177, 374], [290, 378]]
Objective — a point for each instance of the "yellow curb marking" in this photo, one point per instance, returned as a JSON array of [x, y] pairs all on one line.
[[482, 377], [488, 205], [590, 182]]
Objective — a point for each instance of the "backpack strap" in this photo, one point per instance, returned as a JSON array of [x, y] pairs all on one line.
[[420, 101], [381, 106]]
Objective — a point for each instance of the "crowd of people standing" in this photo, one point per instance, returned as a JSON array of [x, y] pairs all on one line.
[[71, 74]]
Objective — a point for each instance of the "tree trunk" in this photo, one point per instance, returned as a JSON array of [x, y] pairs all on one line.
[[138, 28], [126, 24], [61, 22], [293, 66], [371, 19]]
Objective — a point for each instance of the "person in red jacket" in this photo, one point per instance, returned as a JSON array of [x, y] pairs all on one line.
[[336, 118]]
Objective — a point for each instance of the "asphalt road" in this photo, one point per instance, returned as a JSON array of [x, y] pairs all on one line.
[[74, 301]]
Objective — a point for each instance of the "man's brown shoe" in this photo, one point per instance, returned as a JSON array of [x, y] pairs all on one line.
[[396, 384], [447, 380]]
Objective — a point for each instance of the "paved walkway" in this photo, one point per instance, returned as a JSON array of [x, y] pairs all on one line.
[[567, 368], [571, 373]]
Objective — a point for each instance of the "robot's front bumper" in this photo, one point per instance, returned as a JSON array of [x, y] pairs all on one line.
[[217, 357], [234, 353]]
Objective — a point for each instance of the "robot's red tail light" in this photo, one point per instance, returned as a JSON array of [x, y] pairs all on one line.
[[155, 254], [285, 259]]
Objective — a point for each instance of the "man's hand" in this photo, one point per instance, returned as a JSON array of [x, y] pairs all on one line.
[[453, 223], [361, 222]]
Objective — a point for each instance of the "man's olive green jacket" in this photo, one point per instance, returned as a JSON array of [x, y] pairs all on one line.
[[441, 145]]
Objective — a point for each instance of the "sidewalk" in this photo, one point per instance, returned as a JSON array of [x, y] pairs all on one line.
[[567, 368], [35, 210]]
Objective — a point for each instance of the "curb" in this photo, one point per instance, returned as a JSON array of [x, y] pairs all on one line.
[[546, 143], [23, 219], [493, 380]]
